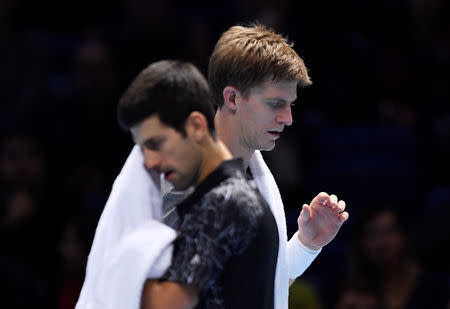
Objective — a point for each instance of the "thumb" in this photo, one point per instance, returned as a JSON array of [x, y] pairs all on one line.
[[303, 219]]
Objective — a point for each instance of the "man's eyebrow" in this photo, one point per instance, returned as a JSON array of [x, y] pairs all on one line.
[[148, 141], [152, 142], [280, 100]]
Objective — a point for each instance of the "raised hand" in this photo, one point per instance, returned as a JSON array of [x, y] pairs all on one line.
[[319, 222]]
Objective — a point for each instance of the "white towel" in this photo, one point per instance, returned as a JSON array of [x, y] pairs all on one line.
[[129, 219], [144, 253], [293, 257]]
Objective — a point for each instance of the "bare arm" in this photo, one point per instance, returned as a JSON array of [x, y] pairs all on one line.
[[168, 295]]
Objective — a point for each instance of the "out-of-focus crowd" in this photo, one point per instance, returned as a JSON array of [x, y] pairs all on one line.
[[373, 128]]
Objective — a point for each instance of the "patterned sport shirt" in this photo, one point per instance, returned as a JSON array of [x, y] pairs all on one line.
[[227, 243]]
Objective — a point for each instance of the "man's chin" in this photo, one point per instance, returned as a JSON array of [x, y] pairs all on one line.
[[267, 147], [179, 187]]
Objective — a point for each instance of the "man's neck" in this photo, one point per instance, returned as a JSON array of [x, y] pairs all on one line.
[[213, 155], [245, 158], [228, 132]]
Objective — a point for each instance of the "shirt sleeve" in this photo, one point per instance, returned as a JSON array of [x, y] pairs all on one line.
[[207, 239], [299, 256]]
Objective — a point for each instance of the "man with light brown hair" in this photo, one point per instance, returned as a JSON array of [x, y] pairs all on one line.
[[254, 74]]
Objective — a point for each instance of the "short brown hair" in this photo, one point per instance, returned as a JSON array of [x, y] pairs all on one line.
[[246, 56]]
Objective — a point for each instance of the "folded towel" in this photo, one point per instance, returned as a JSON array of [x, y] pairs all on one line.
[[144, 253]]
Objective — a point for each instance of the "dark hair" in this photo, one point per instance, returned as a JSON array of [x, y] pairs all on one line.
[[246, 56], [170, 89]]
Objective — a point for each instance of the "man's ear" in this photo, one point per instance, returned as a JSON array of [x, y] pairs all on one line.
[[196, 126], [230, 94]]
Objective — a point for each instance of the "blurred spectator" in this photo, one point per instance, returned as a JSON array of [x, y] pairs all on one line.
[[384, 273], [76, 240], [396, 113], [26, 258], [426, 15], [20, 208], [94, 70], [439, 149], [148, 31], [22, 162], [434, 217], [28, 222], [85, 183], [82, 119]]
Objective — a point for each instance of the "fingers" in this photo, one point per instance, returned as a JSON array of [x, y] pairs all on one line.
[[338, 207], [341, 206], [322, 199], [333, 201], [326, 200], [303, 219], [343, 216]]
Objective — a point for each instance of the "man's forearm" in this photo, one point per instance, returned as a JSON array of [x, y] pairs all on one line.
[[299, 257], [168, 295]]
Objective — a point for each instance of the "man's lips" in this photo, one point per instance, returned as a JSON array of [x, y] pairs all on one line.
[[275, 133], [168, 175]]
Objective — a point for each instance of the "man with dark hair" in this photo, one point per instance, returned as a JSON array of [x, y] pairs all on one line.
[[226, 248], [162, 89]]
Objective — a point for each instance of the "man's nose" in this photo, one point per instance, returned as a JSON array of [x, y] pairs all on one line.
[[285, 116], [152, 160]]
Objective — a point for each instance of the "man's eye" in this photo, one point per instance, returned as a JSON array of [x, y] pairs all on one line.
[[276, 105], [152, 145]]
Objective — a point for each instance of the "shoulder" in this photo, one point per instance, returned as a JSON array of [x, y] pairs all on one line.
[[237, 196]]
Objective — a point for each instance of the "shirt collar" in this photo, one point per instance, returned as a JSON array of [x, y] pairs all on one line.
[[225, 170]]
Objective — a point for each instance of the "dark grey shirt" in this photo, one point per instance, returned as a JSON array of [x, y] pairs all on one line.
[[227, 243]]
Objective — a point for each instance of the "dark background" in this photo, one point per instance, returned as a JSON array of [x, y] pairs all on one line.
[[374, 128]]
